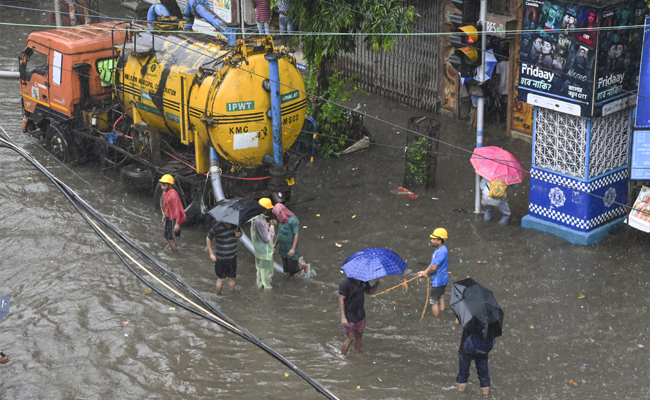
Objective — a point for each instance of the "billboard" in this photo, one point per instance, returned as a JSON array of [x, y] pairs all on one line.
[[619, 57], [565, 64]]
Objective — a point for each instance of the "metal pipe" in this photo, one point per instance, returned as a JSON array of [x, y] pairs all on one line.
[[276, 112], [215, 179], [481, 103], [9, 74], [57, 13]]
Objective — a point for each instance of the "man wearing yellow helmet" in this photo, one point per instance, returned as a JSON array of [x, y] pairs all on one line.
[[172, 209], [438, 271]]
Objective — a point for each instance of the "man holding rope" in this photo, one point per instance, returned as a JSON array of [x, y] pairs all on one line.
[[438, 271]]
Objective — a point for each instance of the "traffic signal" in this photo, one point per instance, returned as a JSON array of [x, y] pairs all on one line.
[[466, 57], [469, 12], [466, 39]]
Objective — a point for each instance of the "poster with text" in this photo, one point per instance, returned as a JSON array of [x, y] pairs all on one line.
[[557, 59], [619, 57]]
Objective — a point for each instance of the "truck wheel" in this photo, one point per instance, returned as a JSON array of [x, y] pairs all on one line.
[[57, 143], [136, 176]]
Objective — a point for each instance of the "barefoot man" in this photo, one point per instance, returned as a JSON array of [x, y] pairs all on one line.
[[353, 316]]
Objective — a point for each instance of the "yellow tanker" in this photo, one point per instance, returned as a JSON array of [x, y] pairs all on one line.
[[206, 92]]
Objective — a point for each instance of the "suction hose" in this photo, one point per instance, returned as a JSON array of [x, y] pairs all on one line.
[[215, 179]]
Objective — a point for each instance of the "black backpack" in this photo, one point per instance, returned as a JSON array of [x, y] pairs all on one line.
[[477, 347]]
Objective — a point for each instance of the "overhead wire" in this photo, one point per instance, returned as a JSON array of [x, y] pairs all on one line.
[[197, 304], [418, 133]]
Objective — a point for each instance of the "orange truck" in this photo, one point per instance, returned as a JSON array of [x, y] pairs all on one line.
[[144, 103]]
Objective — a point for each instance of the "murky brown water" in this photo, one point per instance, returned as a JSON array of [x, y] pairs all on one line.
[[71, 296]]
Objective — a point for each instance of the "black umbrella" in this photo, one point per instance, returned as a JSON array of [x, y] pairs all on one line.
[[4, 306], [476, 309], [236, 212]]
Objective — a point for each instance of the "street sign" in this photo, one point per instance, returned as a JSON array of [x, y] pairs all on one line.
[[640, 155], [643, 100]]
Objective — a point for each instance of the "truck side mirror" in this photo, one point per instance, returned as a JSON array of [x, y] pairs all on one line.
[[22, 62]]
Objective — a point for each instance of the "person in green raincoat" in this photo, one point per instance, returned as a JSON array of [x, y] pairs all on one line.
[[262, 237]]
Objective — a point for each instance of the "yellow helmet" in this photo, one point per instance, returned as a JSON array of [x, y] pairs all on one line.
[[167, 179], [439, 233], [266, 203]]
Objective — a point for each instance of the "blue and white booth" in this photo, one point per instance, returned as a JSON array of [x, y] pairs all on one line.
[[582, 83], [575, 158]]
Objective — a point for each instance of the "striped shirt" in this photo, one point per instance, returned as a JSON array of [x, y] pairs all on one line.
[[262, 10], [225, 240]]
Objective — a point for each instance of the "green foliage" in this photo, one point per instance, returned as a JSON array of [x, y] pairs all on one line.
[[373, 18], [333, 126], [417, 168]]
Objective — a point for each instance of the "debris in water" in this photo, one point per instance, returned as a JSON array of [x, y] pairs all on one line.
[[339, 245], [408, 305], [126, 335], [581, 295], [405, 192], [574, 383], [380, 380], [147, 291], [434, 198], [172, 308], [482, 262], [449, 388], [304, 227], [125, 322], [358, 387], [354, 216], [324, 310], [286, 375], [532, 327], [591, 291], [640, 345], [460, 210], [318, 215]]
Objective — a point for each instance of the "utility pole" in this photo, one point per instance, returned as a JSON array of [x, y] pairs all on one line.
[[480, 109]]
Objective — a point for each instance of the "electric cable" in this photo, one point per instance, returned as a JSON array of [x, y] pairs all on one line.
[[198, 305], [420, 134]]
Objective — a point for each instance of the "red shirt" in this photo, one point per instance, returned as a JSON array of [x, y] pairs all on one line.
[[172, 206], [262, 10]]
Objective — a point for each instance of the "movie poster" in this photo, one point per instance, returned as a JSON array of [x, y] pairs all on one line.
[[557, 59], [619, 51]]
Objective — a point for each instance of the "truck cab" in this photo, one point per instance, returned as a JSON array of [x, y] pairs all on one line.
[[66, 71]]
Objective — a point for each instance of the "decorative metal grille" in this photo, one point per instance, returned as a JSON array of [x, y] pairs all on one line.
[[560, 142], [609, 142]]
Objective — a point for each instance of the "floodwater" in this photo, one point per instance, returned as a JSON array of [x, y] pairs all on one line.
[[80, 325]]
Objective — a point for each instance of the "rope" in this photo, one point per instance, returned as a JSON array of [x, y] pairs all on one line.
[[424, 309], [405, 287], [404, 284]]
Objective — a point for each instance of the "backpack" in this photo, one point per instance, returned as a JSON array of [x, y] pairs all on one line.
[[477, 347], [498, 189]]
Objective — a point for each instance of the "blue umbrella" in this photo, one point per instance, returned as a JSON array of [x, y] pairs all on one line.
[[4, 306], [373, 263]]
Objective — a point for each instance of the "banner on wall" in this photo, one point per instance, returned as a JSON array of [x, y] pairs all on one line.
[[643, 102], [567, 67]]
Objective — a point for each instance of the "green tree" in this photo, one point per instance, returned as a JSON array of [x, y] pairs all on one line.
[[330, 27]]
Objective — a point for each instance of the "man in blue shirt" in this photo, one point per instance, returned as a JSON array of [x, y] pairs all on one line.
[[438, 271]]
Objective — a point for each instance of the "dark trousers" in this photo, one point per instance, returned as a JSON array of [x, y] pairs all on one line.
[[481, 370]]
